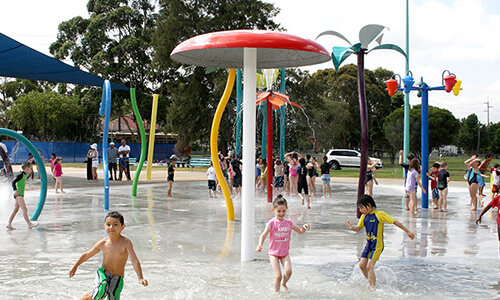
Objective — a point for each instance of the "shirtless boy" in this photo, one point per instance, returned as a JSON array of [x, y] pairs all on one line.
[[115, 249]]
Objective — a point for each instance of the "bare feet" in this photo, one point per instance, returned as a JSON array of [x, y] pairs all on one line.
[[302, 202], [473, 209], [284, 287], [10, 227], [33, 225], [309, 207]]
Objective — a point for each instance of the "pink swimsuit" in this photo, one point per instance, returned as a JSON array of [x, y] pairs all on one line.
[[279, 237], [293, 171]]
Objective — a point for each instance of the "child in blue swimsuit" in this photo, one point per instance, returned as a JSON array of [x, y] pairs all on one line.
[[373, 220]]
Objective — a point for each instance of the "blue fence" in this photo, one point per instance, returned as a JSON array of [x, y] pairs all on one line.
[[77, 152]]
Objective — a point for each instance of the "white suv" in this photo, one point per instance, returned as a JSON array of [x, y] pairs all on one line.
[[340, 158]]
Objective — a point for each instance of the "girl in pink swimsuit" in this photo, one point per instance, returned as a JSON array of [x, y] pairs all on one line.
[[293, 160], [280, 230]]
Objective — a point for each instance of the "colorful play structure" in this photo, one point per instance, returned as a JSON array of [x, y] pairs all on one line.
[[449, 83], [367, 34], [249, 50]]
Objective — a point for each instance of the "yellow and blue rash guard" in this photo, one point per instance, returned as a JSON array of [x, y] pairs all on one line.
[[374, 224]]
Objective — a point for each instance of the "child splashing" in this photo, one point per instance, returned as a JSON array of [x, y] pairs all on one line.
[[373, 220], [279, 242]]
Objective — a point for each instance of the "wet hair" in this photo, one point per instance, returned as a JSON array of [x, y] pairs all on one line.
[[488, 156], [443, 164], [295, 156], [496, 166], [53, 154], [436, 165], [26, 165], [410, 156], [302, 162], [415, 164], [279, 200], [278, 162], [364, 200], [308, 157], [116, 215]]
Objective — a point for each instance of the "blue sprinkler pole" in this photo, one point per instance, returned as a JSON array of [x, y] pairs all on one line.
[[425, 142]]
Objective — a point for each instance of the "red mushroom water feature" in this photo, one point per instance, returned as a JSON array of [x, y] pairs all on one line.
[[249, 50]]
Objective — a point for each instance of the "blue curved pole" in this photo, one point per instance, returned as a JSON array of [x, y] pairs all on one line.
[[39, 161], [239, 102], [105, 110]]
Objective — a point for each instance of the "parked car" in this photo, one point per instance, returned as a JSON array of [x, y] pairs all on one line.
[[341, 158]]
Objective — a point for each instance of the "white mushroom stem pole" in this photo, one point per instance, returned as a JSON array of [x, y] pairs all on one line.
[[248, 182]]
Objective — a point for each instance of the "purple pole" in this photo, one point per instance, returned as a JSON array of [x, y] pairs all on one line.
[[364, 125]]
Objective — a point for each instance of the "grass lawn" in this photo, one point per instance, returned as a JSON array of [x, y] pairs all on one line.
[[456, 167]]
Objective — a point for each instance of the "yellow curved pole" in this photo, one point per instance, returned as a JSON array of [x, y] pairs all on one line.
[[214, 148], [152, 132]]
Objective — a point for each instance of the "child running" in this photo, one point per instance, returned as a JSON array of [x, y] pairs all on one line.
[[212, 181], [373, 220], [115, 251], [18, 186], [57, 175], [280, 230]]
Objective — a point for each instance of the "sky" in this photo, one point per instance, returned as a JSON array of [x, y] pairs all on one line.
[[456, 35]]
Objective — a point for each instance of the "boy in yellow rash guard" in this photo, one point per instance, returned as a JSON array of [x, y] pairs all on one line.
[[373, 220]]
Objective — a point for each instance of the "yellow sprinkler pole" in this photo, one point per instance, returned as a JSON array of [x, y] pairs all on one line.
[[214, 149], [152, 131]]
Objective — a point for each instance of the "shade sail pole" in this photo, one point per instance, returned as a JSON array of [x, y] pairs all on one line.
[[248, 184]]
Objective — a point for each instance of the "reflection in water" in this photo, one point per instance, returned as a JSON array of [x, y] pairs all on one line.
[[151, 219], [229, 240]]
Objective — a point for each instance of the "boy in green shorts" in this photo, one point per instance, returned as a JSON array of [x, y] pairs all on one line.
[[373, 220], [18, 185], [115, 249]]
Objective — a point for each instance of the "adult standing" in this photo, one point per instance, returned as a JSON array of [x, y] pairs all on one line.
[[94, 156], [125, 149], [112, 156], [89, 164]]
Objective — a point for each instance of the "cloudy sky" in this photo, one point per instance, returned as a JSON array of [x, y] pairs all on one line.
[[456, 35]]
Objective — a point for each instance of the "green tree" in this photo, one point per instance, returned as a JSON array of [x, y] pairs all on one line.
[[10, 90], [46, 116], [115, 43], [469, 133], [443, 127], [193, 96]]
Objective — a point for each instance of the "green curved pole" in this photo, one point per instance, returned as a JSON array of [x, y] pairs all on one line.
[[142, 131], [39, 161]]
